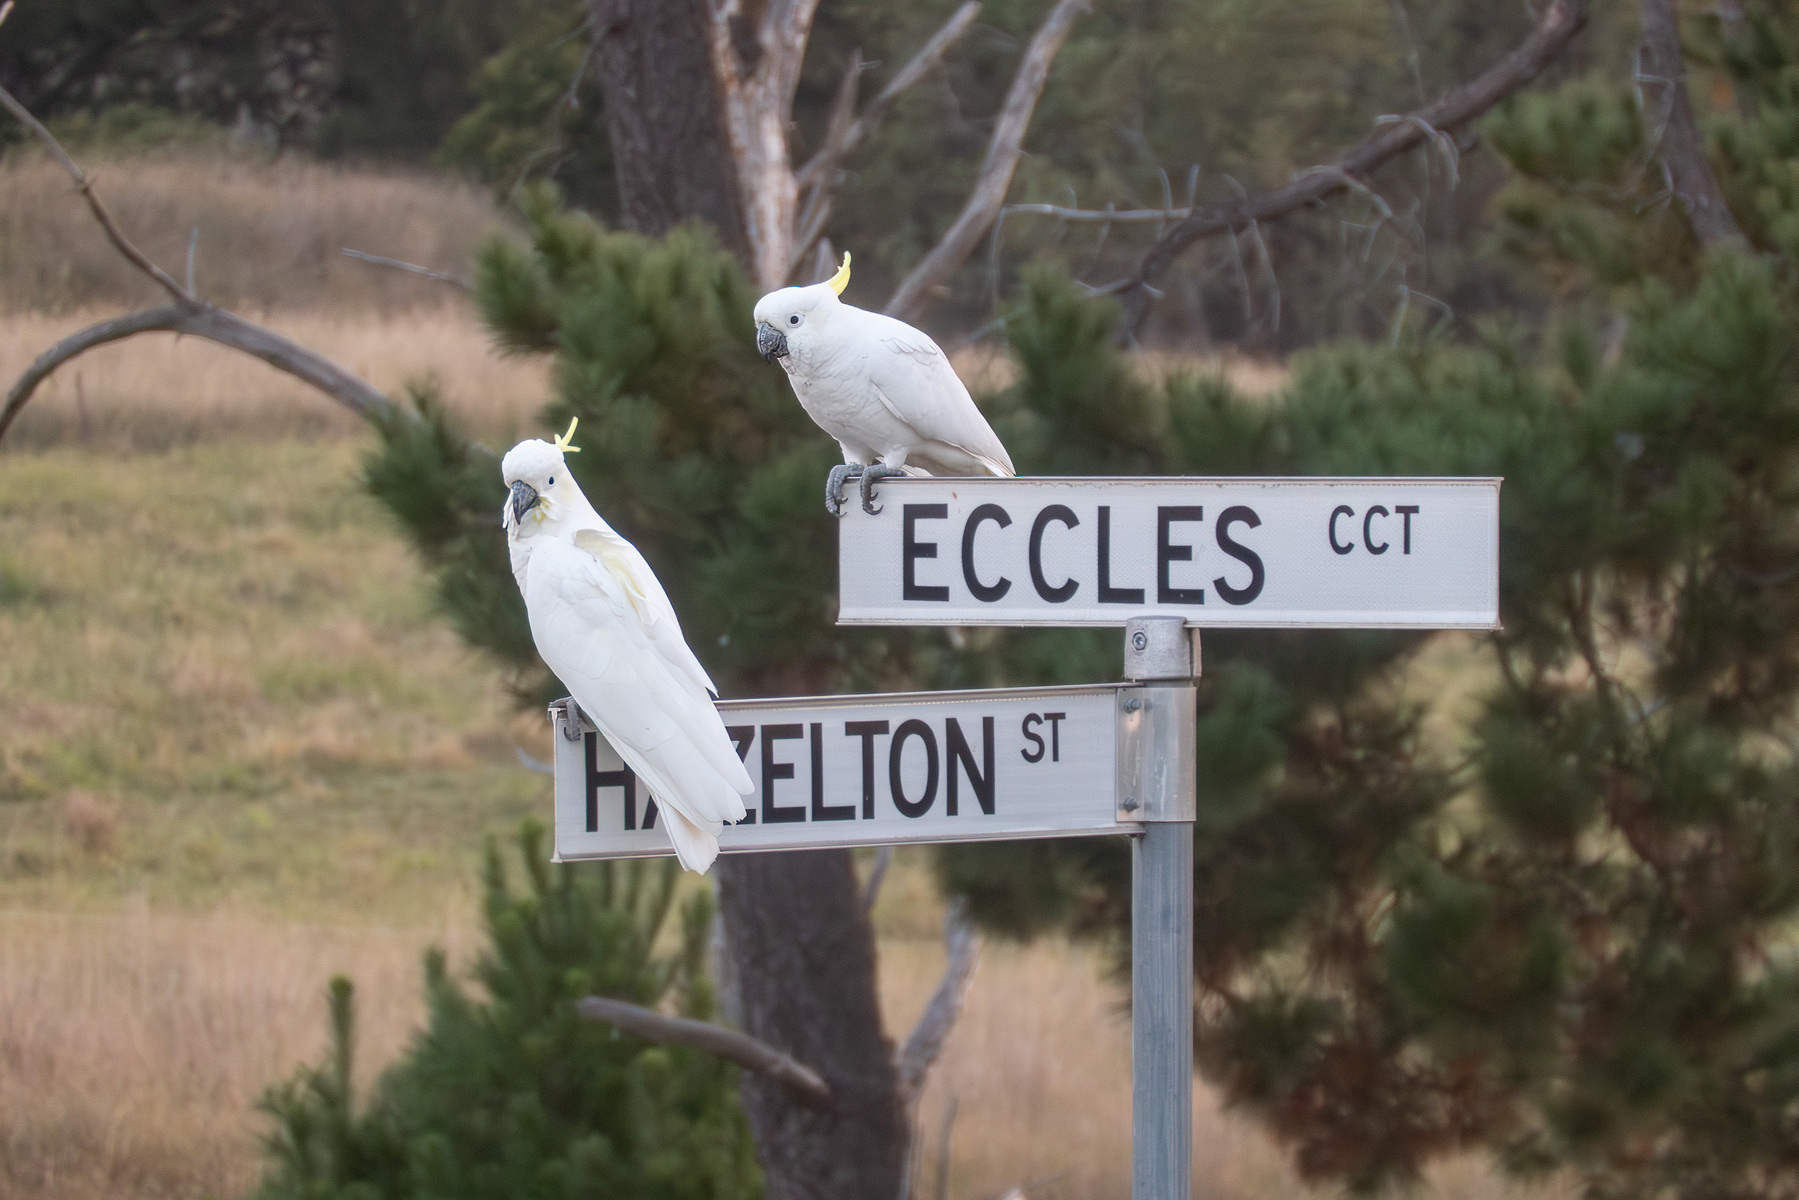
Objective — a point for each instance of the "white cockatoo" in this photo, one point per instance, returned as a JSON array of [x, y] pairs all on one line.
[[883, 389], [604, 625]]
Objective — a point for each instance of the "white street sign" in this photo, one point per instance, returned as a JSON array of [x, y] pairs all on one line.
[[869, 770], [1323, 553]]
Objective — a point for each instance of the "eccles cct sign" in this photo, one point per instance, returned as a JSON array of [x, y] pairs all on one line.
[[1321, 553]]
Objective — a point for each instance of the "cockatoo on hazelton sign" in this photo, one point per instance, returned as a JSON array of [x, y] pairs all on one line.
[[604, 625], [883, 389]]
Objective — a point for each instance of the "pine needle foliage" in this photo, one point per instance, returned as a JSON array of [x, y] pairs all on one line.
[[507, 1091]]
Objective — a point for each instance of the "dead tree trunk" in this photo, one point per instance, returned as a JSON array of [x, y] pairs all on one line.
[[804, 955]]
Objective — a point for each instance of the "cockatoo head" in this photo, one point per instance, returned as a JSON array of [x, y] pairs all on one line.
[[538, 477], [791, 319]]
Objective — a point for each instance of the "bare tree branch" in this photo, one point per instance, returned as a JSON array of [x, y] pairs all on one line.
[[86, 187], [838, 124], [215, 325], [1672, 133], [1391, 138], [165, 318], [740, 1048], [845, 131], [833, 151], [820, 191], [995, 177], [380, 260], [188, 315], [933, 1029], [1120, 216]]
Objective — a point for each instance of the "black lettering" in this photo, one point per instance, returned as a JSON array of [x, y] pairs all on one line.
[[1062, 591], [820, 810], [1239, 514], [1107, 593], [1342, 510], [1024, 727], [744, 736], [985, 593], [866, 730], [1378, 510], [1407, 511], [921, 731], [1166, 554], [912, 550], [959, 752], [624, 778], [772, 813], [1055, 735], [649, 813]]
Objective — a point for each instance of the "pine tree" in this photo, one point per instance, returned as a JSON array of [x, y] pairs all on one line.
[[510, 1092]]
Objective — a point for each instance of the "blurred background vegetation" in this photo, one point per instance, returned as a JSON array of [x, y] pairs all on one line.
[[1151, 103], [1532, 894]]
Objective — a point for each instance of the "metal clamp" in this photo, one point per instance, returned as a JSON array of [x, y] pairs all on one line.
[[1157, 753], [1160, 648]]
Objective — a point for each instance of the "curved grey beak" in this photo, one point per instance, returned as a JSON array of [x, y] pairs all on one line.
[[524, 499], [771, 343]]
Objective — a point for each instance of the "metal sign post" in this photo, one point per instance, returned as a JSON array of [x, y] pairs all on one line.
[[1159, 654], [1160, 556]]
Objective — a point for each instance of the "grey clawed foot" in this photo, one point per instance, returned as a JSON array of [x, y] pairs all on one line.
[[871, 475], [834, 486]]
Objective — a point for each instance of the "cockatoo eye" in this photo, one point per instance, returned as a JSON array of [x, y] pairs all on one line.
[[552, 481], [794, 319]]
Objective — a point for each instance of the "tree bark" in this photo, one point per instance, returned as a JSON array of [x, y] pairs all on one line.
[[665, 118], [805, 970], [1673, 134], [757, 50]]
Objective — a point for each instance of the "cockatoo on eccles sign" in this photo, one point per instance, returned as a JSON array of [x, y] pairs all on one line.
[[883, 389], [604, 625]]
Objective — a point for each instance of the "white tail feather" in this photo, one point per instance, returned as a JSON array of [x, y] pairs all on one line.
[[694, 847]]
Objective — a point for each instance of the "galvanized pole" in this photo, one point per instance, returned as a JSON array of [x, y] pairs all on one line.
[[1158, 787]]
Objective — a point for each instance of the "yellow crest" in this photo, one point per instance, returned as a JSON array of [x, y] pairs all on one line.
[[562, 443], [841, 280]]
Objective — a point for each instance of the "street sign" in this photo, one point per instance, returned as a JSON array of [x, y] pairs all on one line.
[[880, 769], [1395, 553]]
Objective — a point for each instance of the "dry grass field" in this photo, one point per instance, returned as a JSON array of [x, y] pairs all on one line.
[[238, 754], [270, 234], [157, 391]]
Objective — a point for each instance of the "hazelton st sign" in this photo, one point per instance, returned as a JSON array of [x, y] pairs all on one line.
[[862, 770], [1390, 553]]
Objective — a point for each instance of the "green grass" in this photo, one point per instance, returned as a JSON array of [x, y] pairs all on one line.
[[222, 685]]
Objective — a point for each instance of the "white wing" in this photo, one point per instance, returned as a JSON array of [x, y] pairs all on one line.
[[644, 591], [915, 381], [588, 620]]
